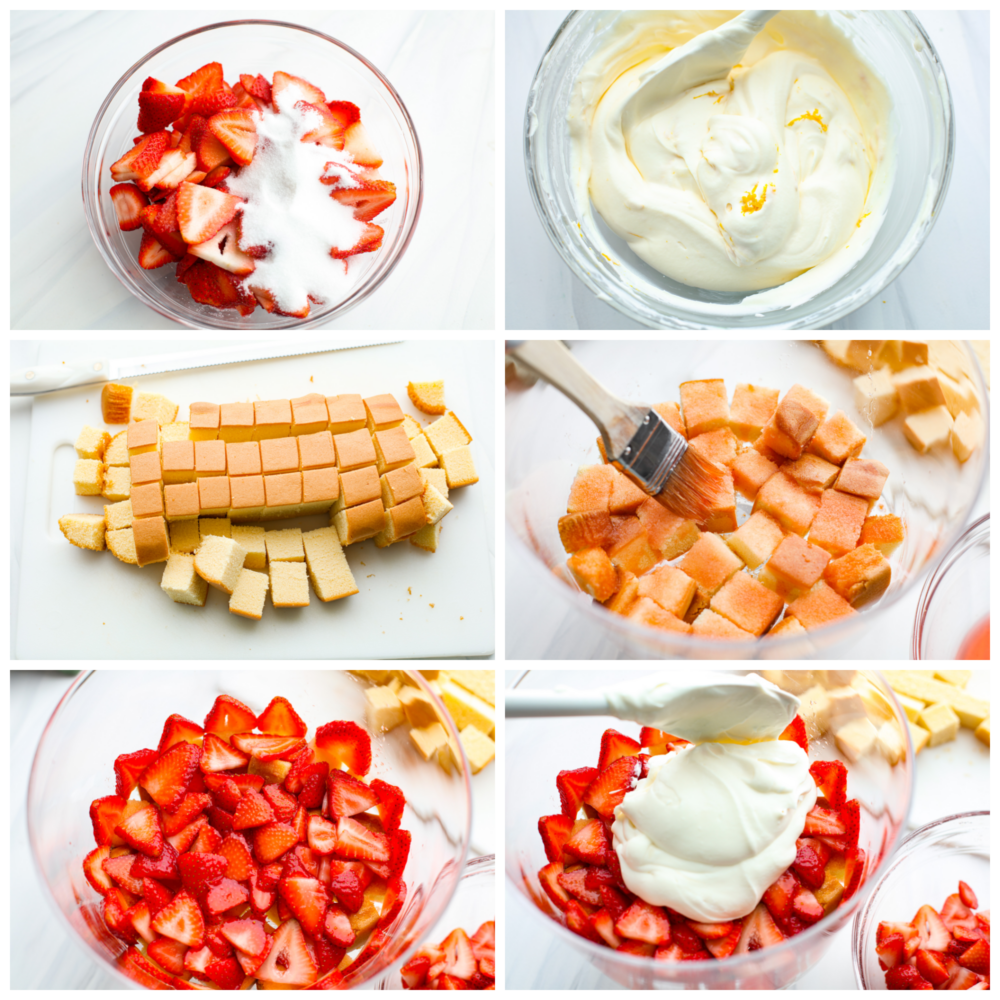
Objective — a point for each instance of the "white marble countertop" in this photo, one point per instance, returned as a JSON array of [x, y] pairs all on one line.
[[65, 63], [946, 286]]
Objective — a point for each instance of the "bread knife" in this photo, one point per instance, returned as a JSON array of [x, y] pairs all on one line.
[[50, 378]]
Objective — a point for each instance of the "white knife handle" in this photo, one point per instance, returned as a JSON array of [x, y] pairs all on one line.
[[545, 704], [48, 378]]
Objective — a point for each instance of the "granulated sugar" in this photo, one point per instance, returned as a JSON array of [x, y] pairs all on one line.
[[289, 211]]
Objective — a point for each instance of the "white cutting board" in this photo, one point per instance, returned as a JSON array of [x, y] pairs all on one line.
[[76, 604]]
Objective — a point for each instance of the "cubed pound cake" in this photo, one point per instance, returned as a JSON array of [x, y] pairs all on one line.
[[203, 421], [884, 531], [117, 483], [289, 585], [219, 560], [837, 439], [85, 531], [626, 497], [647, 612], [151, 542], [752, 407], [249, 594], [838, 522], [153, 406], [587, 530], [747, 603], [704, 405], [121, 544], [594, 573], [860, 576], [672, 589], [459, 467], [788, 503], [671, 412], [92, 443], [812, 473], [750, 471], [251, 538], [355, 524], [143, 437], [184, 536], [710, 563], [875, 397], [309, 415], [446, 433], [329, 572], [181, 583], [669, 535], [790, 429], [88, 477], [272, 418], [710, 625], [629, 548], [794, 567], [428, 397], [756, 538], [717, 446], [118, 515], [862, 477], [820, 606], [591, 489], [382, 412], [116, 403], [284, 545]]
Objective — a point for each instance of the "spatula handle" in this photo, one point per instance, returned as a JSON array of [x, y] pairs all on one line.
[[544, 704]]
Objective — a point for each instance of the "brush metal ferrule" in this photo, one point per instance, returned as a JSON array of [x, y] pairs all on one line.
[[652, 453]]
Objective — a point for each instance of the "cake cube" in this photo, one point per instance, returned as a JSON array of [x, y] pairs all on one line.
[[117, 451], [116, 483], [480, 749], [153, 406], [750, 471], [864, 354], [401, 521], [209, 458], [929, 429], [671, 412], [837, 524], [284, 545], [752, 408], [820, 606], [248, 596], [720, 502], [236, 422], [181, 583], [116, 403], [629, 548], [710, 625], [92, 443], [625, 596], [354, 450], [85, 531], [251, 539], [918, 388], [864, 477], [445, 433], [705, 406], [812, 473], [181, 501], [177, 462], [309, 414], [203, 421], [941, 722], [383, 412], [669, 535], [671, 588], [355, 524], [794, 567], [959, 395], [983, 732], [875, 397], [213, 495], [912, 707], [147, 500], [710, 563], [966, 435], [428, 397], [428, 739], [400, 485], [647, 612], [246, 498], [316, 450], [121, 544], [918, 736], [594, 573], [790, 429], [588, 530], [717, 446], [151, 544], [289, 585], [856, 739], [950, 356], [143, 437], [788, 503], [755, 539], [320, 490], [392, 449], [219, 560], [383, 709], [412, 427], [786, 627], [118, 515], [837, 439], [424, 454], [347, 413], [890, 742], [772, 456], [437, 479], [221, 526], [459, 467], [177, 431], [360, 486], [328, 569], [88, 477], [591, 489], [282, 495], [900, 354], [279, 455], [747, 603], [626, 497], [243, 458], [272, 418], [860, 576], [145, 468], [427, 537], [836, 350]]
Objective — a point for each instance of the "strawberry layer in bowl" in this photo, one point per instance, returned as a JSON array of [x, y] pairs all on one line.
[[924, 872], [107, 713], [537, 750], [255, 47]]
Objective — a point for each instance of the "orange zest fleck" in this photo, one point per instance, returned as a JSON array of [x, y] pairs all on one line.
[[708, 93], [812, 116], [862, 219], [751, 202]]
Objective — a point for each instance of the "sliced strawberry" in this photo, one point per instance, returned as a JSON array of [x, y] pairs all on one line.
[[152, 254], [236, 129], [228, 716], [414, 972], [159, 105], [905, 977], [831, 779], [221, 823], [644, 922], [347, 796], [348, 881], [824, 822], [141, 160], [458, 958], [796, 731], [94, 870], [976, 958], [128, 202], [326, 128], [272, 841], [344, 743], [142, 831], [590, 843], [288, 963], [217, 175], [256, 86], [808, 867], [572, 786], [302, 760], [166, 778], [164, 867], [360, 146], [188, 809], [780, 895], [609, 788], [105, 815], [930, 965], [392, 905], [890, 951], [167, 953], [173, 167], [369, 241], [266, 746], [322, 835], [181, 920], [279, 717], [368, 200], [964, 979], [294, 89], [968, 896], [854, 871], [933, 934], [806, 907], [253, 811], [225, 895], [284, 805], [137, 967], [202, 212], [850, 815], [391, 803], [613, 901], [759, 931], [723, 947], [555, 831], [218, 755]]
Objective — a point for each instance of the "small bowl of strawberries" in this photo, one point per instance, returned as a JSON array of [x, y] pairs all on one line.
[[926, 924], [252, 175]]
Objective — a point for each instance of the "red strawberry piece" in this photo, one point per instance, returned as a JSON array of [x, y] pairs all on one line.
[[256, 86], [368, 200], [129, 202], [163, 867], [302, 760], [968, 896], [301, 825], [228, 715], [344, 743], [780, 895], [854, 871], [307, 859], [284, 805], [548, 877], [347, 796], [821, 850], [850, 815], [759, 931], [723, 947], [682, 935], [114, 915], [166, 778], [808, 868], [459, 960], [831, 779], [575, 883], [142, 159], [338, 927], [609, 788], [613, 901], [824, 822], [297, 90], [159, 105], [219, 755], [119, 869], [198, 959], [327, 957], [964, 979], [288, 963], [369, 241], [152, 253], [261, 900], [346, 112], [806, 907], [155, 895], [142, 831], [94, 870], [216, 176], [236, 851], [210, 154], [181, 920], [597, 876], [225, 791], [279, 717], [272, 841], [976, 958], [391, 803], [211, 285], [200, 871], [182, 841], [236, 129], [955, 914], [266, 746], [710, 931], [139, 916], [931, 967], [325, 128], [190, 807], [322, 835], [360, 146], [167, 953], [225, 973], [224, 895], [911, 939], [254, 810], [207, 841], [349, 888], [313, 788], [796, 731], [644, 922], [356, 842], [555, 831], [138, 968], [933, 934], [392, 905], [903, 977], [890, 951], [217, 101], [202, 212], [414, 972], [572, 785], [615, 745], [129, 766], [246, 935]]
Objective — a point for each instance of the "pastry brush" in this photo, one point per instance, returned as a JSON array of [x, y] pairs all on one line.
[[637, 440]]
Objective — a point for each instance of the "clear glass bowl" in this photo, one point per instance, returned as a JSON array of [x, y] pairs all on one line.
[[924, 870], [547, 439], [474, 903], [106, 713], [536, 750], [956, 596], [894, 41], [254, 47]]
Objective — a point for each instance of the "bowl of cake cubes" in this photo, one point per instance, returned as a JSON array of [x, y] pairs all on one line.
[[850, 468]]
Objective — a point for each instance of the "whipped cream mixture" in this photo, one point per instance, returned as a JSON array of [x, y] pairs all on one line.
[[747, 182], [714, 824]]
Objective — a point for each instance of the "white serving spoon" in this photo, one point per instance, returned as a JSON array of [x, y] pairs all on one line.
[[697, 705], [708, 56]]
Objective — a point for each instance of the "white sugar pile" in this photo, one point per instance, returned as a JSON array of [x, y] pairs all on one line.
[[289, 211]]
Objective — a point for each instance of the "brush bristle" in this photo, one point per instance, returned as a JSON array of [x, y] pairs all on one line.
[[692, 487]]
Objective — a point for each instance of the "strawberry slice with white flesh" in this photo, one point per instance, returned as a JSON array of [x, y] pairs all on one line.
[[289, 962], [287, 89], [202, 212], [360, 146], [128, 201], [159, 105], [236, 129]]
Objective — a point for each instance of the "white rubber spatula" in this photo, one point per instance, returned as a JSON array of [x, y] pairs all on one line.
[[708, 56], [695, 705]]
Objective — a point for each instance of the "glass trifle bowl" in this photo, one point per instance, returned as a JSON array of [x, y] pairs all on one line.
[[107, 713], [884, 790], [253, 46]]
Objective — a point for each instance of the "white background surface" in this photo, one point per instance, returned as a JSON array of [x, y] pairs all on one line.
[[950, 778], [473, 361], [65, 63], [946, 286], [43, 953]]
